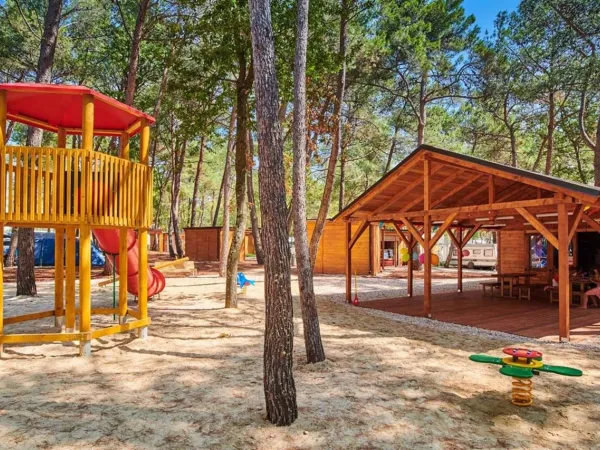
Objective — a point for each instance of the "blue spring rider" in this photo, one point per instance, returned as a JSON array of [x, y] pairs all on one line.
[[243, 282]]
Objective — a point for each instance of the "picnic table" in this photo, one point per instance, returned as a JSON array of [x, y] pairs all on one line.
[[511, 279], [582, 283]]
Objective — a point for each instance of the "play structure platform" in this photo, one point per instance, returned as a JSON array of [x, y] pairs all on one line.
[[80, 191]]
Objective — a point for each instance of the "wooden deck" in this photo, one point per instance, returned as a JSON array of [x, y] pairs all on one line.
[[536, 318]]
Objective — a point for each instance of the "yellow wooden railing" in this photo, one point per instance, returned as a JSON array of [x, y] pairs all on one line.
[[49, 186]]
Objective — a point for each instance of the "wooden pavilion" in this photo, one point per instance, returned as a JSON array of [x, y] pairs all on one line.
[[459, 194]]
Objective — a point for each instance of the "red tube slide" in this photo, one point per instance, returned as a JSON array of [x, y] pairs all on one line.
[[108, 241]]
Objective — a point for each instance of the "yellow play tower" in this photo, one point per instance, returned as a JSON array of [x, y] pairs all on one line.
[[77, 189]]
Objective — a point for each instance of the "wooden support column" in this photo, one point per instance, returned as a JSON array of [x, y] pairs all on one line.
[[59, 277], [59, 255], [85, 298], [347, 243], [564, 285], [459, 255], [409, 280], [1, 295], [85, 233], [70, 282], [427, 237], [143, 235], [124, 143], [3, 112]]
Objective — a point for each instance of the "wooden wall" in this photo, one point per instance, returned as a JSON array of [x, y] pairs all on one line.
[[513, 256], [331, 254], [203, 244]]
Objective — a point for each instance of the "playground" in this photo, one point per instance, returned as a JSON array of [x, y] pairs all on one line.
[[197, 381]]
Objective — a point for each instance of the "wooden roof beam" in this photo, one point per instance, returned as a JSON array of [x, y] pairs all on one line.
[[454, 239], [591, 222], [470, 234], [449, 179], [509, 206], [579, 209], [479, 190], [408, 242], [385, 182], [441, 230], [539, 226], [404, 191], [361, 228], [413, 231], [454, 191], [511, 176]]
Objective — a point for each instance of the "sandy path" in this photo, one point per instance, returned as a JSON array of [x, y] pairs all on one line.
[[197, 383]]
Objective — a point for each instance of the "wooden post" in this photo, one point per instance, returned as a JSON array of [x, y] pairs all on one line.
[[143, 236], [124, 142], [3, 112], [427, 237], [382, 250], [564, 284], [85, 234], [70, 282], [59, 254], [1, 294], [348, 262], [59, 276], [459, 257], [409, 278]]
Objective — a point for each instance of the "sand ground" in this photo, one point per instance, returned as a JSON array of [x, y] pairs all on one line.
[[196, 382]]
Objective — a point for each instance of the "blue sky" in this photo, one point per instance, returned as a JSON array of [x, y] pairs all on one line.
[[485, 11]]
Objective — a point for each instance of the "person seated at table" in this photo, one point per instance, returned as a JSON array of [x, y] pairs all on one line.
[[595, 291]]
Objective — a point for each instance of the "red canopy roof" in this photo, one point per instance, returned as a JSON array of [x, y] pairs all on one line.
[[50, 106]]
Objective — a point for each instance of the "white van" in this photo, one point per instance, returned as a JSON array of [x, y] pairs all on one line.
[[479, 256]]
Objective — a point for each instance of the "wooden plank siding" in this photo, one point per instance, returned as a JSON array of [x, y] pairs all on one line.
[[330, 257], [204, 243]]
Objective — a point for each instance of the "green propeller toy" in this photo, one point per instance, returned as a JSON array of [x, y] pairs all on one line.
[[522, 364]]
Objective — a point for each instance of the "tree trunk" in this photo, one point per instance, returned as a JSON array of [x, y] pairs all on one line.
[[9, 129], [202, 206], [197, 183], [550, 138], [392, 150], [337, 135], [226, 196], [422, 119], [134, 53], [161, 92], [449, 255], [243, 88], [310, 316], [214, 211], [12, 248], [260, 256], [171, 245], [178, 159], [513, 147], [342, 196], [25, 269], [279, 386]]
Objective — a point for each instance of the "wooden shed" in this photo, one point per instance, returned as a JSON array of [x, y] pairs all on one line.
[[365, 257], [204, 243], [461, 194]]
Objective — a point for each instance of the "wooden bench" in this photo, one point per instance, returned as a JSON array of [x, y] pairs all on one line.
[[491, 285], [525, 290]]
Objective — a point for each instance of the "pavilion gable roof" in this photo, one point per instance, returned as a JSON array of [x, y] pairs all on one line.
[[462, 183]]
